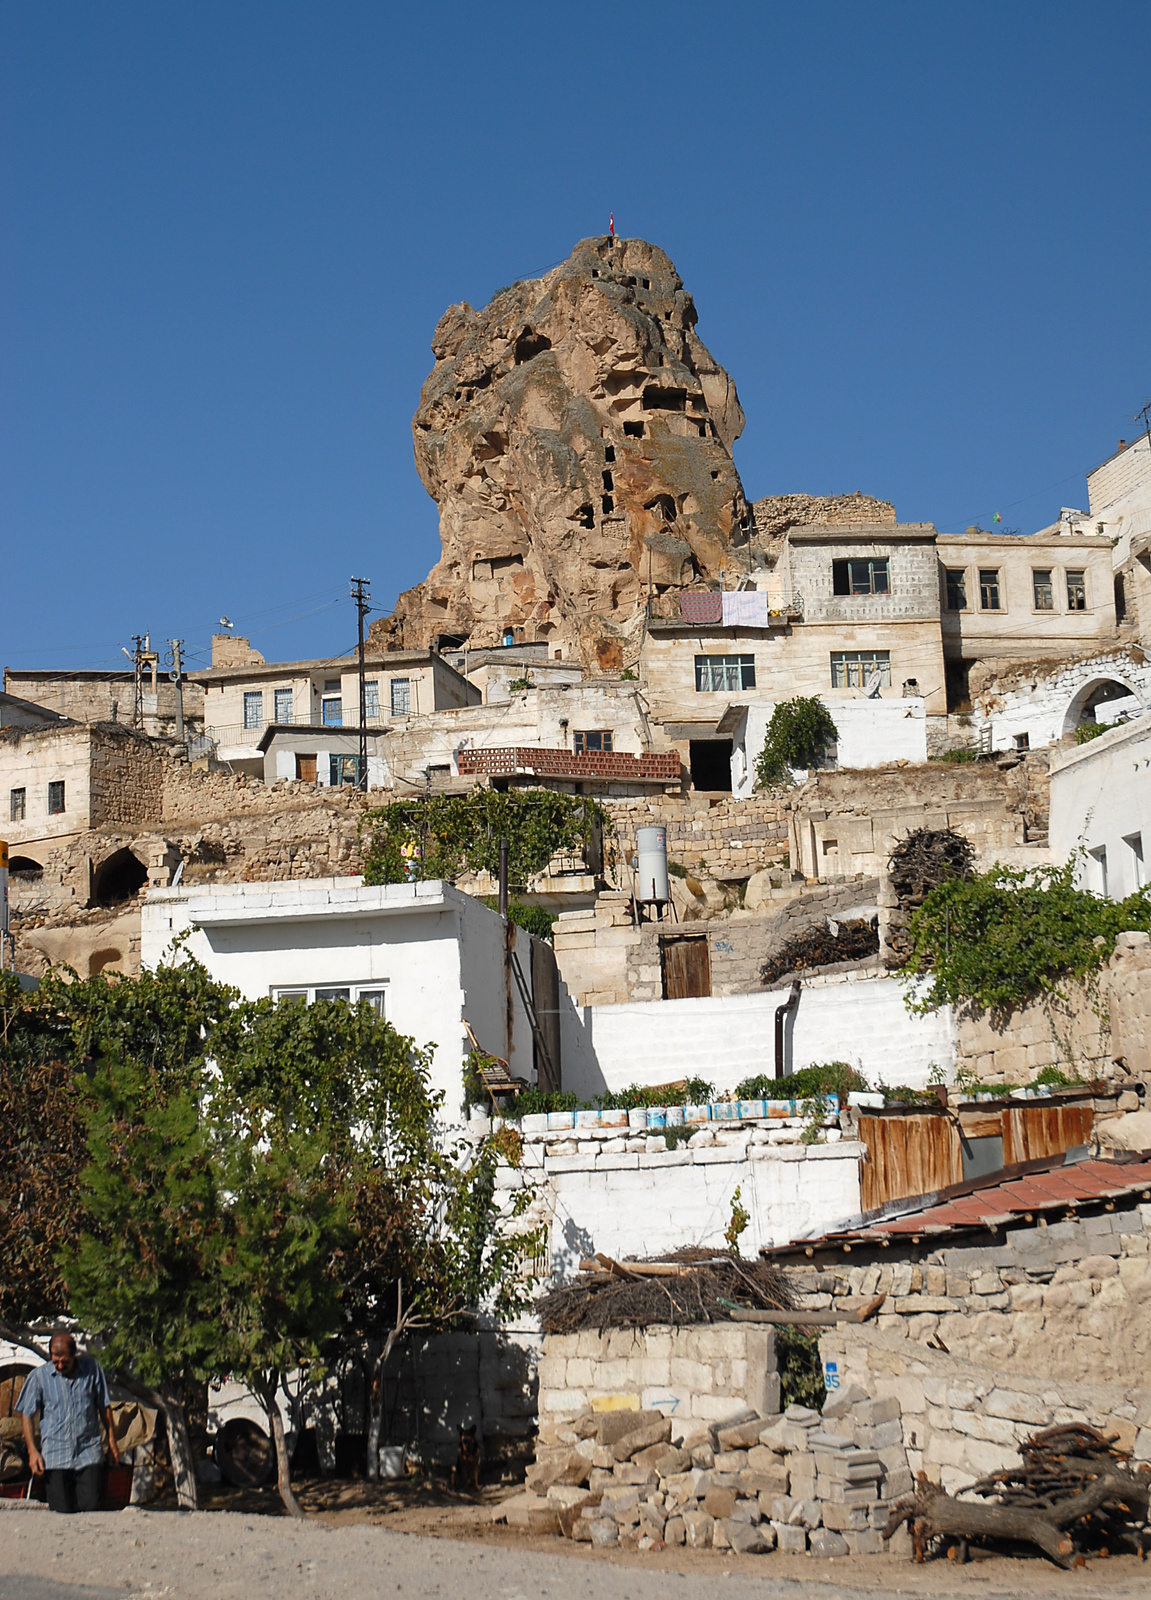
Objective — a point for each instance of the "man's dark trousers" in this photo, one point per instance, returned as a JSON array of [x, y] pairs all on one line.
[[74, 1491]]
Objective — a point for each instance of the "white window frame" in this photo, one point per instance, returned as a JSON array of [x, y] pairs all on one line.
[[1134, 843], [724, 674], [253, 708], [400, 697], [374, 991], [280, 697], [372, 697]]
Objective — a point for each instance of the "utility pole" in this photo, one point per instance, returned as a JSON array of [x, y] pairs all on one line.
[[137, 660], [176, 646], [363, 605]]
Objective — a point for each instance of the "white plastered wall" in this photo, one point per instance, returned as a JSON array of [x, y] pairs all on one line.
[[863, 1022], [870, 733], [1101, 799], [438, 953]]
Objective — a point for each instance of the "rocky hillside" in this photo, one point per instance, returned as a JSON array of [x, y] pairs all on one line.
[[576, 435]]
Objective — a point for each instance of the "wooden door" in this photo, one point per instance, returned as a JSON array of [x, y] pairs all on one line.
[[306, 769], [686, 967]]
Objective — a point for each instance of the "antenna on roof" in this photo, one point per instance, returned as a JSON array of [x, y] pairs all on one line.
[[1144, 416]]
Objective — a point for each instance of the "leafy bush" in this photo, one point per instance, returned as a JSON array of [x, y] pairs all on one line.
[[447, 835], [998, 939], [831, 1077], [1086, 731], [797, 735], [957, 756], [532, 919], [800, 1368]]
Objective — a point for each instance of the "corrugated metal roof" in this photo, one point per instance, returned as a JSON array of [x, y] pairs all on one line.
[[1015, 1197]]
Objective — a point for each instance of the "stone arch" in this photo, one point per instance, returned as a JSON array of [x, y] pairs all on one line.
[[118, 878], [25, 866], [1097, 690]]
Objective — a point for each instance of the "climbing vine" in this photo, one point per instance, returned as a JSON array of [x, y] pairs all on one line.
[[1000, 938], [444, 836], [797, 735]]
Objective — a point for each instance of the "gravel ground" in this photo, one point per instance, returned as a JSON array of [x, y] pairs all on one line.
[[145, 1555]]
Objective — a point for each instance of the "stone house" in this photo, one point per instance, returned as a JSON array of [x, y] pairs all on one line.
[[1119, 492], [86, 695], [244, 696]]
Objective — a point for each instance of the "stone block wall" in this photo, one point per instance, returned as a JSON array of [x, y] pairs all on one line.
[[711, 1373], [604, 959], [724, 838], [962, 1418], [1128, 990], [1071, 1033], [126, 778], [1056, 1302]]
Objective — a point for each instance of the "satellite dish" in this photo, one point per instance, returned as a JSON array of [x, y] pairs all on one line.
[[873, 686]]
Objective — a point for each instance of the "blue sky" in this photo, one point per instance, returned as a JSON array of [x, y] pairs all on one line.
[[918, 237]]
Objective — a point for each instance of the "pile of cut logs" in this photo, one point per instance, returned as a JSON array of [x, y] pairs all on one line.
[[1073, 1494]]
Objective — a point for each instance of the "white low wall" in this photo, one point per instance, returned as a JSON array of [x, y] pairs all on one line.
[[858, 1019], [630, 1196]]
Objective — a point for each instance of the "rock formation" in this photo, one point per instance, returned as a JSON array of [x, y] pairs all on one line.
[[576, 435]]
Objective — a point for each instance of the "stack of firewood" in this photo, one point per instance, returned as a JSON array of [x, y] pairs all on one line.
[[1073, 1494]]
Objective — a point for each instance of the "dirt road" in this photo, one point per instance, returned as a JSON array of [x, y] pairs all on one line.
[[162, 1555]]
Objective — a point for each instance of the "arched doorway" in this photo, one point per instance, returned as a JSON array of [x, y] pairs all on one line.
[[1096, 692], [24, 867], [118, 879]]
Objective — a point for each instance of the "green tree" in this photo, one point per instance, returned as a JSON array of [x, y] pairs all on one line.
[[797, 735], [1000, 938]]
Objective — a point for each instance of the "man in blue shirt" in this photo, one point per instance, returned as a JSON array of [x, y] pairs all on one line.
[[71, 1395]]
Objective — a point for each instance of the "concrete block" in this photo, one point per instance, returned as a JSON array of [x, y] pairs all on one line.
[[730, 1460], [825, 1544], [869, 1543], [790, 1540], [806, 1514], [842, 1518], [869, 1413], [604, 1531], [748, 1539], [674, 1531], [879, 1437]]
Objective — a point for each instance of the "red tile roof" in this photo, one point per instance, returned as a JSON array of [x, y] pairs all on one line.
[[1054, 1188]]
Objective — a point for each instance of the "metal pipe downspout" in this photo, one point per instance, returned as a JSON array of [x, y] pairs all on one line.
[[781, 1011]]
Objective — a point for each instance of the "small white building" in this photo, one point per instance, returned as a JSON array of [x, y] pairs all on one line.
[[428, 957], [870, 734], [1101, 800]]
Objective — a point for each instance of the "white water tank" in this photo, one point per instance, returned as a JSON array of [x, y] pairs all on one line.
[[651, 873]]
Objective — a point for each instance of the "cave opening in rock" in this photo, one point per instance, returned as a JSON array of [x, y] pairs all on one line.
[[658, 399], [531, 344], [118, 878], [633, 430], [609, 453], [586, 516], [607, 481], [608, 504]]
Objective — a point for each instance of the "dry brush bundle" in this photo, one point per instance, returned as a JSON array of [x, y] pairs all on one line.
[[690, 1286]]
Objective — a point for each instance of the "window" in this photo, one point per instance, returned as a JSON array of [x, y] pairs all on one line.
[[989, 588], [351, 993], [853, 669], [343, 770], [860, 577], [401, 697], [283, 705], [592, 741], [253, 708], [371, 698], [332, 711], [333, 686], [724, 674], [1134, 843], [1077, 591], [56, 798], [1042, 590], [17, 804], [956, 590], [1097, 870]]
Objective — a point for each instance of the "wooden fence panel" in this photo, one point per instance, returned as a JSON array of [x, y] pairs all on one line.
[[1031, 1132], [906, 1156]]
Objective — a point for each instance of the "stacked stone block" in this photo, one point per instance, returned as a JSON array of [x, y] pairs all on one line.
[[801, 1482]]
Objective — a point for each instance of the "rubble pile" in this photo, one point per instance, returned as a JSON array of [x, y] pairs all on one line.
[[800, 1482]]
